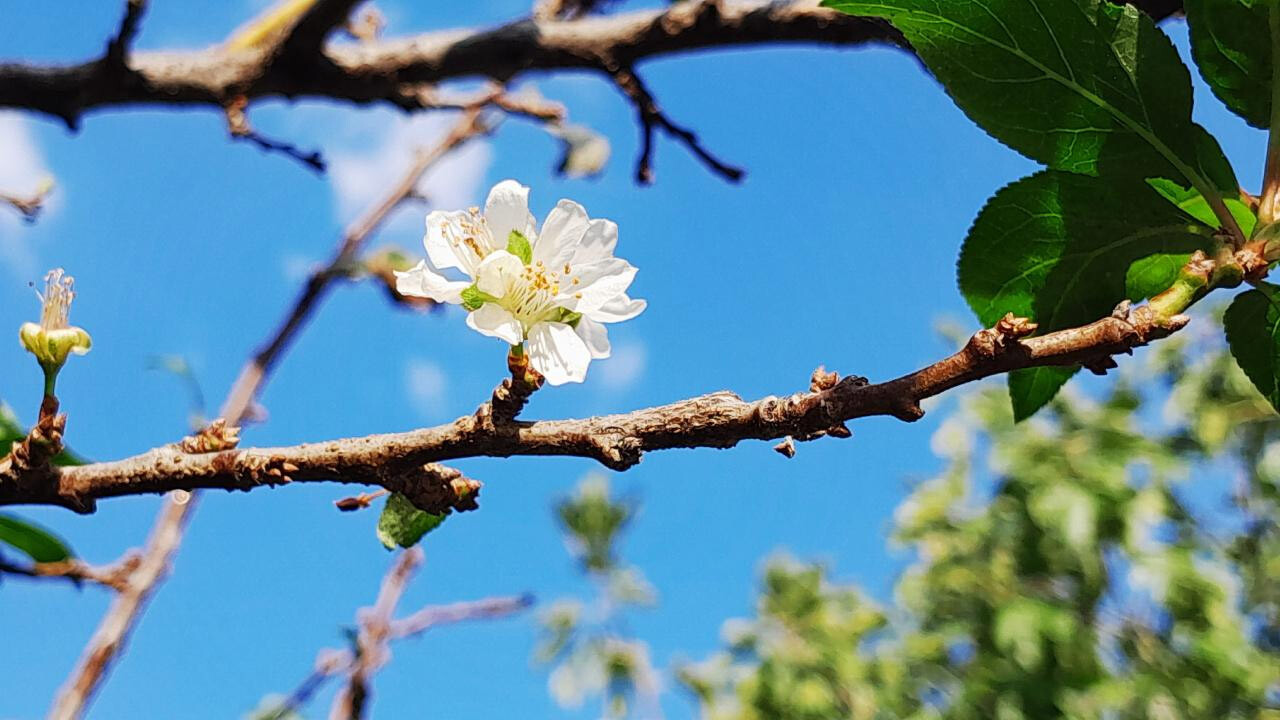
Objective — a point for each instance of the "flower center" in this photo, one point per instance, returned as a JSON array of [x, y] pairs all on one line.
[[55, 303], [530, 296]]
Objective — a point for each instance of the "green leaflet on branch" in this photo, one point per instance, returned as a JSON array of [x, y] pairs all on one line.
[[1057, 247], [37, 543], [1231, 42], [1193, 203], [11, 431], [1100, 90], [1253, 333], [403, 524]]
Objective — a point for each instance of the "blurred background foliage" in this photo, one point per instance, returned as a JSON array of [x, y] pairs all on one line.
[[1116, 557]]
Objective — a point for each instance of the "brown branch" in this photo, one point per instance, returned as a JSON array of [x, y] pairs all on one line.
[[117, 54], [373, 640], [239, 128], [401, 461], [166, 536], [375, 72], [114, 576], [652, 117], [308, 34]]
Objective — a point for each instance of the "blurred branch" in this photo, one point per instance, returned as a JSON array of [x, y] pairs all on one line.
[[108, 641], [331, 663], [114, 576], [31, 205], [401, 461], [372, 641]]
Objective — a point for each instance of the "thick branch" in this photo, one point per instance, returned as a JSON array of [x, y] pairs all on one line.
[[401, 461], [378, 71]]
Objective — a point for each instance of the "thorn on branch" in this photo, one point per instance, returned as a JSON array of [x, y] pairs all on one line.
[[240, 129], [652, 117], [787, 448]]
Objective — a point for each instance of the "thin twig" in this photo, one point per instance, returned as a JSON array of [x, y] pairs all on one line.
[[651, 117], [374, 636], [330, 662], [239, 128], [114, 576]]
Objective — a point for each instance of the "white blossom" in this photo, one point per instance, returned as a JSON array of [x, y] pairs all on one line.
[[550, 290]]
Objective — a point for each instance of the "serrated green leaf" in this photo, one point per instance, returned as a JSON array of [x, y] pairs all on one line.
[[1190, 201], [1100, 90], [403, 524], [11, 431], [37, 543], [1231, 43], [518, 245], [1057, 247], [1253, 334]]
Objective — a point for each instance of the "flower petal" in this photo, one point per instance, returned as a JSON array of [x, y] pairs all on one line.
[[495, 321], [496, 273], [618, 309], [557, 352], [507, 209], [561, 233], [594, 336], [447, 238], [422, 281], [596, 284], [597, 243]]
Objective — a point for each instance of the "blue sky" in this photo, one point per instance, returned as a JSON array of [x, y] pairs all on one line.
[[838, 249]]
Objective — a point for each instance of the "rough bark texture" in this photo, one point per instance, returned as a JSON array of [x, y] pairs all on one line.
[[404, 462], [392, 70]]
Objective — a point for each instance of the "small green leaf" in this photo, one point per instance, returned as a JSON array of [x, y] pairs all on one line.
[[518, 245], [403, 524], [1100, 89], [1253, 334], [1231, 43], [37, 543], [473, 298], [569, 317], [1058, 248], [1190, 201]]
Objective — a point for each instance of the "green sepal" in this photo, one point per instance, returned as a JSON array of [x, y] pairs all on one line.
[[518, 245], [473, 298]]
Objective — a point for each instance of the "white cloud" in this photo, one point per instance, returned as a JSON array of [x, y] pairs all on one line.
[[624, 367], [22, 168], [382, 151], [427, 386]]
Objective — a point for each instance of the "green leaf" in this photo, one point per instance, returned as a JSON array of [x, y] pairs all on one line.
[[1253, 334], [473, 298], [403, 524], [1099, 89], [1190, 201], [1058, 247], [1231, 43], [37, 543], [11, 431], [518, 245]]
